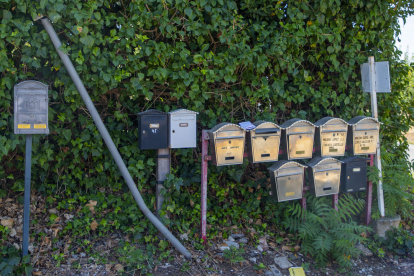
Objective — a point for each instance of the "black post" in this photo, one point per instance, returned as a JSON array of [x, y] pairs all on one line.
[[26, 211]]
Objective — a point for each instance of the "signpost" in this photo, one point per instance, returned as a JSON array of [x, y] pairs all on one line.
[[376, 78], [30, 117]]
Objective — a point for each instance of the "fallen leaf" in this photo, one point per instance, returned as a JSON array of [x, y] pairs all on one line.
[[297, 248], [7, 222], [55, 231], [258, 222], [286, 248], [37, 273], [53, 211], [118, 267], [94, 224], [363, 234], [191, 203], [93, 202], [108, 267]]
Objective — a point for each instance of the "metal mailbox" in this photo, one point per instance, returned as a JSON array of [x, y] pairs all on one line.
[[324, 175], [354, 174], [363, 135], [286, 179], [182, 128], [297, 139], [227, 144], [330, 137], [31, 104], [152, 130], [263, 142]]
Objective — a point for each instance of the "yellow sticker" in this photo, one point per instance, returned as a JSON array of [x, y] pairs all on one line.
[[39, 126], [290, 194], [296, 271], [23, 126]]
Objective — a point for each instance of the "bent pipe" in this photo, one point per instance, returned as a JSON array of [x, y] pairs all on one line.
[[108, 140]]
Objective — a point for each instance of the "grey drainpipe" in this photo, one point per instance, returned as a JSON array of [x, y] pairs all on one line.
[[108, 140]]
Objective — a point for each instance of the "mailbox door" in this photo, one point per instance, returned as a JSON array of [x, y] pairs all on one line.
[[365, 142], [356, 177], [229, 151], [183, 131], [327, 182], [265, 148], [154, 132], [289, 187], [300, 146], [333, 143]]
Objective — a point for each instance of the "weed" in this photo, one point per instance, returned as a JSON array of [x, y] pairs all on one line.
[[234, 254]]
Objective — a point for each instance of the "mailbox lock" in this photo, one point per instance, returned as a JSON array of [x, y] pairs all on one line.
[[143, 132], [348, 176], [366, 133], [300, 136], [326, 173], [229, 142], [334, 135], [289, 178], [173, 131]]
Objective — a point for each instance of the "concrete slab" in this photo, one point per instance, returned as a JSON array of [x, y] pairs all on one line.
[[384, 224]]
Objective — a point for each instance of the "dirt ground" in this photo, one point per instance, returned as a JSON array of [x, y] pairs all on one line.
[[102, 259]]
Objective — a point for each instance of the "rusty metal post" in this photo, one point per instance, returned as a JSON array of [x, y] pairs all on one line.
[[369, 195], [204, 165]]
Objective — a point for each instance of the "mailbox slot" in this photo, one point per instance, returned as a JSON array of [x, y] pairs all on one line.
[[31, 103], [324, 176], [331, 137], [297, 139], [286, 179], [227, 144], [363, 135], [354, 174], [152, 130], [263, 142], [182, 129]]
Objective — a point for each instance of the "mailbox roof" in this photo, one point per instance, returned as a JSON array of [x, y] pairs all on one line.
[[183, 110], [31, 84], [151, 111], [222, 125], [358, 119], [280, 164], [258, 123], [350, 159], [325, 120], [292, 122], [317, 160]]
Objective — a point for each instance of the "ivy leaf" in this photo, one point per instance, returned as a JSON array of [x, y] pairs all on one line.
[[188, 12], [330, 49], [7, 15], [87, 40], [54, 17], [67, 133]]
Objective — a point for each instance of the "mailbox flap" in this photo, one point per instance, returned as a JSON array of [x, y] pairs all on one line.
[[183, 111], [298, 126], [151, 112], [364, 123], [355, 159], [329, 124], [285, 164], [267, 130], [319, 161]]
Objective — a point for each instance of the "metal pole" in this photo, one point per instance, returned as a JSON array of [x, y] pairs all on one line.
[[26, 210], [163, 168], [374, 109], [204, 164], [369, 195], [108, 141]]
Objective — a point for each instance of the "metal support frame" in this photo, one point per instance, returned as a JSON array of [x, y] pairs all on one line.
[[163, 168], [26, 210], [374, 109], [204, 172]]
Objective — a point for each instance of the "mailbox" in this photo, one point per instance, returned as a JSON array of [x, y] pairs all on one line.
[[297, 139], [227, 144], [354, 174], [182, 129], [330, 137], [363, 135], [286, 179], [263, 142], [152, 130], [324, 174], [31, 104]]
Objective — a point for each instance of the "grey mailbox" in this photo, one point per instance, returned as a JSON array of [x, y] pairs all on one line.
[[324, 176], [227, 144], [31, 104], [363, 135], [286, 178], [330, 137], [297, 139], [263, 142], [182, 126]]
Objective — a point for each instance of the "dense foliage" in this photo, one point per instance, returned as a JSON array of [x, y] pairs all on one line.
[[229, 60]]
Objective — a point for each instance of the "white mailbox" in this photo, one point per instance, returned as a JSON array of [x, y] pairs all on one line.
[[182, 125]]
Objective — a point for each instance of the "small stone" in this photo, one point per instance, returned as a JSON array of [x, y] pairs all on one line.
[[184, 237], [16, 246], [82, 255], [365, 251], [219, 254], [237, 236], [268, 273], [232, 243], [53, 211], [283, 262], [253, 260], [260, 248], [223, 247], [31, 248], [263, 243], [274, 270], [243, 240], [12, 232], [231, 239], [293, 257]]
